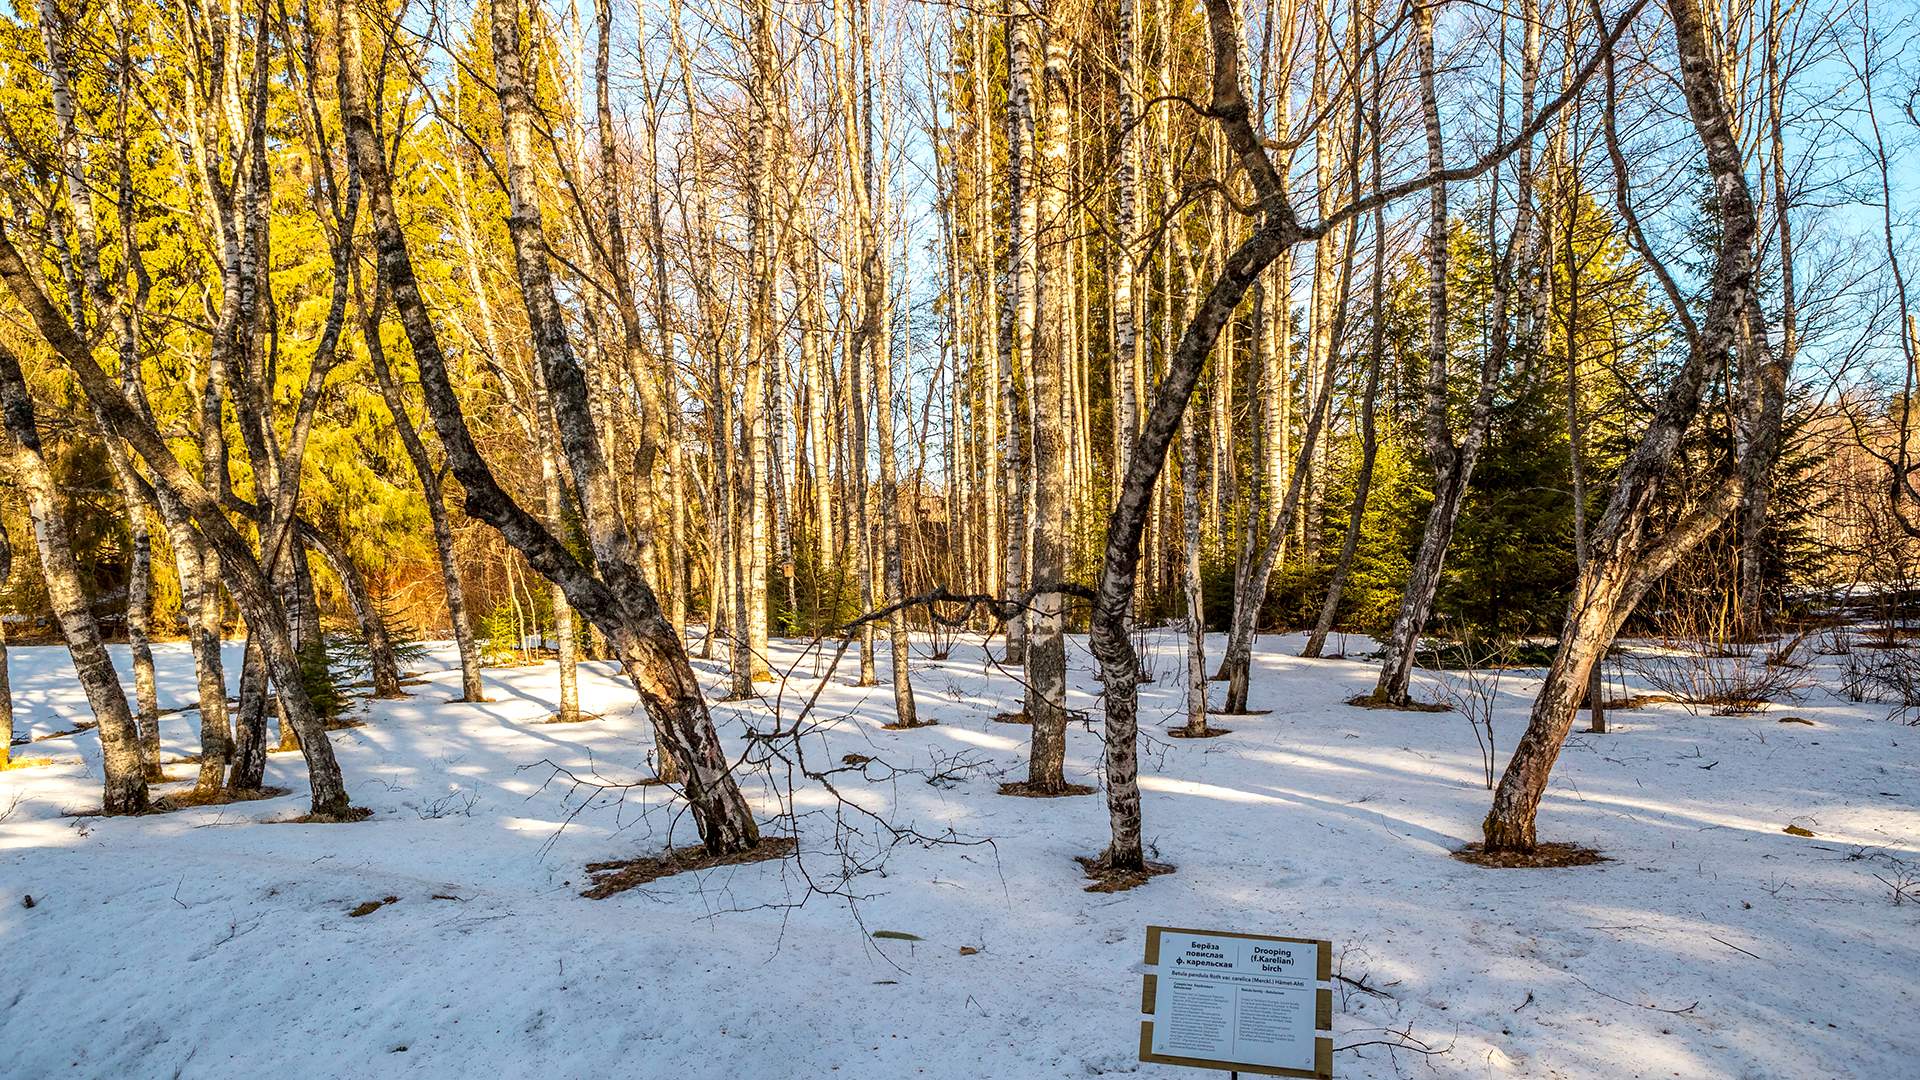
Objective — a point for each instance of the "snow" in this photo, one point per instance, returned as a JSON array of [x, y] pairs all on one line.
[[204, 943]]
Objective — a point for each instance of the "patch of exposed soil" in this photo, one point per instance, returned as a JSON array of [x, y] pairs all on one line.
[[1105, 879], [1025, 790], [613, 878], [1543, 856], [1370, 701]]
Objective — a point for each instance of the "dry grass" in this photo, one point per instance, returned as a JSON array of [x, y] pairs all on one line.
[[613, 878], [371, 906], [1636, 701], [27, 763], [1208, 732]]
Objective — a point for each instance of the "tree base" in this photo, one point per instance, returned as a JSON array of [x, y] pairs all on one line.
[[1240, 712], [1026, 789], [1374, 701], [1107, 878], [917, 724], [613, 878], [577, 718], [1540, 856], [340, 817], [1209, 732], [1011, 718]]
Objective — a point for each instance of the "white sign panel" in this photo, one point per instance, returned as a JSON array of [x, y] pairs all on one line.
[[1240, 1001]]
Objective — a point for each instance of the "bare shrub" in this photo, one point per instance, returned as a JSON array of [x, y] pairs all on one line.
[[1888, 676], [456, 803], [1702, 665], [1473, 692]]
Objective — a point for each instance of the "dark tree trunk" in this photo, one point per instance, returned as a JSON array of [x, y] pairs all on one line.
[[1369, 442], [248, 767], [385, 667], [457, 618]]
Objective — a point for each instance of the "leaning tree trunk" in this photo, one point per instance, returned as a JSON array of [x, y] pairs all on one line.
[[1454, 460], [1369, 437], [622, 603], [1625, 561], [139, 608], [462, 625], [6, 686], [125, 778], [253, 591], [1237, 663], [1423, 579], [1330, 328], [383, 665]]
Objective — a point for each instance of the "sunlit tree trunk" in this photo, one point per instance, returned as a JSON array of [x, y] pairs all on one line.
[[1023, 283], [620, 600], [1046, 645], [126, 779], [6, 684], [1625, 558]]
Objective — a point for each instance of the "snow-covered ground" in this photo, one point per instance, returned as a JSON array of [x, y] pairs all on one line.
[[204, 943]]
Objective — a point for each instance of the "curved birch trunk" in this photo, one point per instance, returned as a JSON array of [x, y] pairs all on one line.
[[1625, 561], [125, 776], [622, 603]]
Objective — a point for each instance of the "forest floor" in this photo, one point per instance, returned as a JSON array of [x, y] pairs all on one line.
[[204, 943]]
